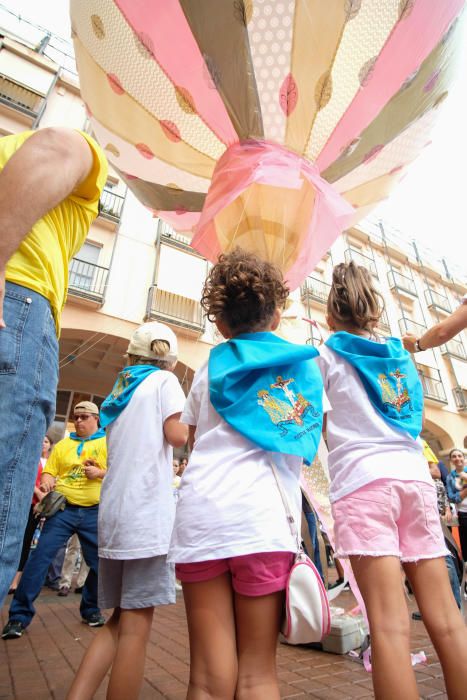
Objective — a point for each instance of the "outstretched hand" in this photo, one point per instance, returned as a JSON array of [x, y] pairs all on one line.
[[409, 342]]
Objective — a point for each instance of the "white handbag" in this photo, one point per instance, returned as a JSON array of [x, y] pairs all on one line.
[[307, 617]]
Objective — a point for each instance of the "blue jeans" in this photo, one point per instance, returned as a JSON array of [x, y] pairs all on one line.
[[454, 579], [28, 383], [56, 533], [313, 530]]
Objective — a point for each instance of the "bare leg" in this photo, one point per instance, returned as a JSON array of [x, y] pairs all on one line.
[[379, 581], [127, 673], [96, 661], [443, 621], [258, 623], [211, 626], [15, 583]]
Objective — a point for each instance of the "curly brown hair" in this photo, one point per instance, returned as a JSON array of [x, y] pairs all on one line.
[[243, 291], [353, 299]]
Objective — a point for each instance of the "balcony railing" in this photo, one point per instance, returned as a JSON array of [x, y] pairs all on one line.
[[454, 347], [177, 240], [460, 397], [432, 386], [407, 326], [361, 259], [19, 97], [383, 323], [435, 300], [111, 205], [401, 282], [315, 289], [175, 309], [87, 280]]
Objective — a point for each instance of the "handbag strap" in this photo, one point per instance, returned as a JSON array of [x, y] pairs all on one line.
[[288, 512]]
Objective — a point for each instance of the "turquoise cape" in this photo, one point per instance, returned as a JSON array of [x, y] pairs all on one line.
[[98, 434], [388, 375], [270, 391], [128, 380]]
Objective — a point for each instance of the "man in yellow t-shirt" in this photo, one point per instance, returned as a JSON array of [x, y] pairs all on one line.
[[75, 469], [50, 184]]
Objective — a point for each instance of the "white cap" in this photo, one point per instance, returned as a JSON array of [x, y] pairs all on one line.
[[145, 335]]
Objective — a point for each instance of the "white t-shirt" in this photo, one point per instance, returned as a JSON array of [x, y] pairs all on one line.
[[137, 507], [363, 447], [229, 503]]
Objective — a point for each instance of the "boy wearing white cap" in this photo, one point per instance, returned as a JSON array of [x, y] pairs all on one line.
[[137, 509]]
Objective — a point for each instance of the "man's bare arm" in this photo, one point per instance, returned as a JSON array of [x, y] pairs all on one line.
[[41, 174], [440, 333]]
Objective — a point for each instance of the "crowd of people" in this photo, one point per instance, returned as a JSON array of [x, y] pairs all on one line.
[[221, 528]]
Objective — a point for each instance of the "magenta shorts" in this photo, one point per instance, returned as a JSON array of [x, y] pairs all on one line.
[[389, 518], [252, 574]]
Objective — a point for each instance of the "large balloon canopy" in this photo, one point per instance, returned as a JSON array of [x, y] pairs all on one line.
[[268, 124]]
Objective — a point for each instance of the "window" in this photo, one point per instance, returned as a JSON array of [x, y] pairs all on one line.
[[83, 270]]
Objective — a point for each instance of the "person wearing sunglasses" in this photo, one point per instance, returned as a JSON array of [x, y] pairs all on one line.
[[75, 469]]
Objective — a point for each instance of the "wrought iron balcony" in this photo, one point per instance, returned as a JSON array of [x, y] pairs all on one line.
[[455, 348], [361, 259], [460, 397], [407, 326], [315, 289], [175, 309], [432, 385], [19, 97], [435, 300], [87, 280], [111, 205], [401, 282]]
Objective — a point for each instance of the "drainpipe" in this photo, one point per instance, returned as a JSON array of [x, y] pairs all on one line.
[[112, 255], [155, 274]]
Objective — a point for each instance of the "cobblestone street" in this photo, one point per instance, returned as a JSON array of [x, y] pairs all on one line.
[[41, 664]]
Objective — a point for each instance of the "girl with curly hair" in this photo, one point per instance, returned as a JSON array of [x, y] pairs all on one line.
[[257, 399]]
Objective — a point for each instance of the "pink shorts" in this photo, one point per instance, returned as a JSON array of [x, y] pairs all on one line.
[[252, 574], [389, 518]]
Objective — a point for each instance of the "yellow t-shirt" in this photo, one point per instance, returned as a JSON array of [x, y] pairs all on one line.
[[428, 453], [68, 469], [42, 259]]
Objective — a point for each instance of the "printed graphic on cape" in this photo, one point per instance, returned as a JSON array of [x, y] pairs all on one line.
[[283, 413], [397, 396], [123, 380]]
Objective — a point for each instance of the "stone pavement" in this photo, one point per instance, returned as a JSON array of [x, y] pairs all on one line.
[[41, 664]]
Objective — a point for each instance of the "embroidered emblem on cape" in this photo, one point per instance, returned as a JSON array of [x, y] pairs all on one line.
[[397, 397], [283, 412]]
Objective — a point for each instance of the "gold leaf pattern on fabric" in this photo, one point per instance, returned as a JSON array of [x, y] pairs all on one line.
[[366, 71], [112, 149], [144, 44], [405, 8], [440, 99], [243, 10], [352, 8], [185, 100], [173, 186], [98, 26], [139, 74], [323, 90]]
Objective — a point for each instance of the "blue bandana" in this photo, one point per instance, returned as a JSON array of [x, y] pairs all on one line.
[[99, 434], [389, 376], [128, 380], [270, 391]]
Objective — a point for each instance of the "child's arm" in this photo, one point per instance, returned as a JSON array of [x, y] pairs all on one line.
[[176, 433]]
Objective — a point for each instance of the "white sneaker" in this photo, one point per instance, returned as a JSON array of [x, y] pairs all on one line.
[[178, 586]]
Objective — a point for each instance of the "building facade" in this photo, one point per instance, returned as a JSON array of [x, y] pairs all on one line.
[[134, 267]]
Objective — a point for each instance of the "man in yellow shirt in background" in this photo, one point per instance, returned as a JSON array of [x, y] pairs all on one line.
[[50, 185], [75, 469]]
